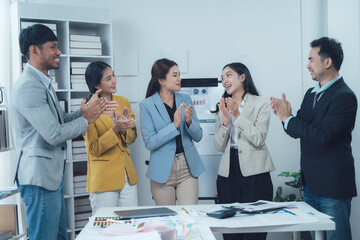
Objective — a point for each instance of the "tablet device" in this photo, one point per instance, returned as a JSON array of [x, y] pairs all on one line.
[[145, 212]]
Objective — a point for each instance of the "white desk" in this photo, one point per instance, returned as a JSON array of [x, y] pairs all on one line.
[[323, 223], [319, 227]]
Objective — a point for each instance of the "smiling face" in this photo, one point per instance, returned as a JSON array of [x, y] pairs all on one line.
[[316, 65], [108, 82], [232, 81], [48, 56], [172, 81]]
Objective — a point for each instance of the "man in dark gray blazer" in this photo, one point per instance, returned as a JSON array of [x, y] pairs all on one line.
[[41, 131], [324, 124]]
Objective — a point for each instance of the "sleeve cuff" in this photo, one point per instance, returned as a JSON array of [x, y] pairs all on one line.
[[226, 128], [86, 122], [287, 122]]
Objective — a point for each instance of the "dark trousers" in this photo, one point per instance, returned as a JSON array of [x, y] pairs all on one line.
[[237, 188]]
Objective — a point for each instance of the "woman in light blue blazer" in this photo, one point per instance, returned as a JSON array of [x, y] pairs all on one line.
[[169, 126]]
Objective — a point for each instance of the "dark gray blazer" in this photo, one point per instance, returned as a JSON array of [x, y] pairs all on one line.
[[327, 163]]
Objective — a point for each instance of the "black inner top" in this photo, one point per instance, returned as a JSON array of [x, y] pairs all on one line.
[[171, 112]]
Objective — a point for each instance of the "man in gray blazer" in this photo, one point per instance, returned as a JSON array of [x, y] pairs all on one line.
[[41, 131]]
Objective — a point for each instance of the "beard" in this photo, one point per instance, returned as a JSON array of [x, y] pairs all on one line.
[[46, 64]]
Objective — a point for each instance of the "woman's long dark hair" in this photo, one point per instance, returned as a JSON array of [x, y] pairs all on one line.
[[249, 86], [159, 70], [93, 75]]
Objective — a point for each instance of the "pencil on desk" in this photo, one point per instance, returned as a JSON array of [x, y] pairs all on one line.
[[289, 212], [184, 210]]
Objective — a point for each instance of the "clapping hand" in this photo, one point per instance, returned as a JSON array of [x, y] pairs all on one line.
[[225, 113], [233, 106], [94, 108], [281, 107], [177, 116], [110, 108], [188, 112], [123, 121]]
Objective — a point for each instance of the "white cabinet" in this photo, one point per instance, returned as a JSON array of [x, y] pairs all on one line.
[[69, 22]]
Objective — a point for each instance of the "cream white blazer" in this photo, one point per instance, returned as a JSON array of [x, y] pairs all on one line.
[[252, 125]]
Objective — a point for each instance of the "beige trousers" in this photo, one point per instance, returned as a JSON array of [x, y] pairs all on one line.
[[125, 197], [181, 185]]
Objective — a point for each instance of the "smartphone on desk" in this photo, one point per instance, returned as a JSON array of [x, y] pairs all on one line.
[[223, 213]]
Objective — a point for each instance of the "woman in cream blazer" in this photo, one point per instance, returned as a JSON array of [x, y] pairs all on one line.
[[111, 176], [242, 121]]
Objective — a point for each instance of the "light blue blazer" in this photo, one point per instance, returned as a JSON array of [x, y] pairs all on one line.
[[159, 136]]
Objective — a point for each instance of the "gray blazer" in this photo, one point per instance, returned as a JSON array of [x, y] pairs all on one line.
[[253, 124], [41, 131]]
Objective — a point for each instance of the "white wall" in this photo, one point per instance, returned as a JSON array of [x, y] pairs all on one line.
[[344, 24], [215, 34], [313, 26], [271, 37], [266, 39]]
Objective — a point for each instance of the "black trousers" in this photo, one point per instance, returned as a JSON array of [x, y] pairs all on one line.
[[237, 188]]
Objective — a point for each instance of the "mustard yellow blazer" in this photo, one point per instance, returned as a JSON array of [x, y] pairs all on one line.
[[108, 154]]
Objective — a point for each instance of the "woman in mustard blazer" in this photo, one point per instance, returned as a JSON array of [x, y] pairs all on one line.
[[111, 176], [242, 122]]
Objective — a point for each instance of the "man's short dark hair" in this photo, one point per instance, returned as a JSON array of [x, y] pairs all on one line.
[[329, 48], [37, 35]]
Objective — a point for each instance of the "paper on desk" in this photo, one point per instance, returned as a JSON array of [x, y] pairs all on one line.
[[122, 228], [313, 212], [139, 236], [258, 220], [202, 232], [261, 205], [180, 217]]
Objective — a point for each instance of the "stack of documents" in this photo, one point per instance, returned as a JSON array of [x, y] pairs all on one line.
[[4, 130], [77, 77], [79, 183], [79, 152], [52, 26], [75, 104], [260, 206], [82, 211], [85, 45]]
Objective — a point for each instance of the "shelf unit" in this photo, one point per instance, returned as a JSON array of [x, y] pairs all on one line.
[[68, 20], [5, 142], [18, 217]]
